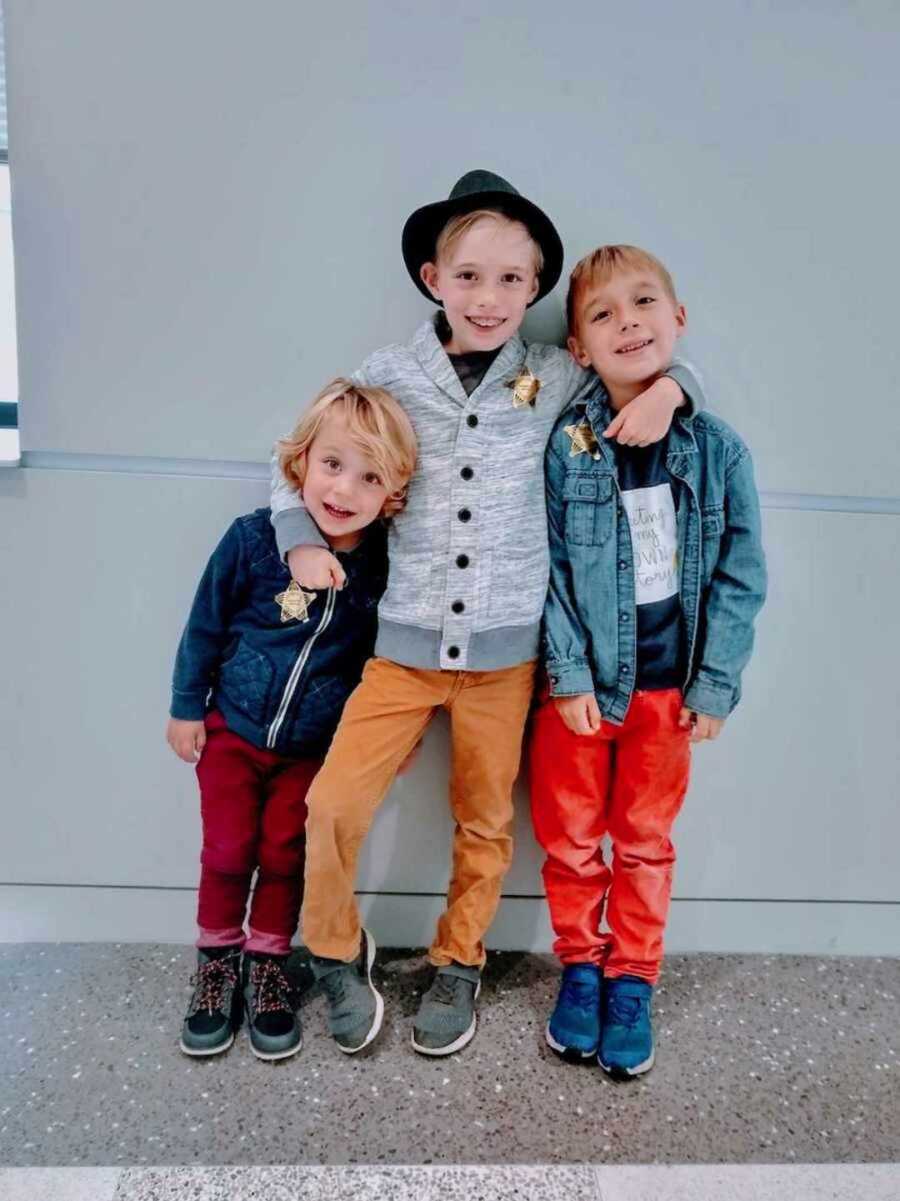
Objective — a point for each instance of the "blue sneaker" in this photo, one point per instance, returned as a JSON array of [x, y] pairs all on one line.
[[626, 1044], [574, 1027]]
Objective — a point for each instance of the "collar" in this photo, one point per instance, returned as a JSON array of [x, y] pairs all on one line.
[[597, 408], [433, 358]]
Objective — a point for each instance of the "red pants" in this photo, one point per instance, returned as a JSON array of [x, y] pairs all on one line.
[[627, 781], [253, 805]]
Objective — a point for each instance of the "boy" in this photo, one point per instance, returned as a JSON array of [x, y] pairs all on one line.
[[459, 623], [657, 573], [261, 676]]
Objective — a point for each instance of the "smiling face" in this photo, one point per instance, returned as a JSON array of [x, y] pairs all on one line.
[[626, 327], [486, 280], [342, 490]]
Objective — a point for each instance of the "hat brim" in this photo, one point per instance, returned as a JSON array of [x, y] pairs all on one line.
[[420, 234]]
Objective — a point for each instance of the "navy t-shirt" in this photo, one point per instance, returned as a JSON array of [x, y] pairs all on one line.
[[647, 496]]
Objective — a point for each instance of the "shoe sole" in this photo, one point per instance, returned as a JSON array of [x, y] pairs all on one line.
[[379, 1000], [619, 1073], [464, 1039], [568, 1053], [205, 1052], [272, 1056]]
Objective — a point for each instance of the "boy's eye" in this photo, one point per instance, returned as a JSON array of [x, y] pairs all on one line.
[[371, 478], [600, 315], [467, 275], [332, 463], [512, 278], [646, 299]]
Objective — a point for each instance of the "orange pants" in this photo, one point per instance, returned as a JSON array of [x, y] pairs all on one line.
[[382, 722], [627, 781]]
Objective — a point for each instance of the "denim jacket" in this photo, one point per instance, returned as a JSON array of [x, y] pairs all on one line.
[[589, 628], [279, 684]]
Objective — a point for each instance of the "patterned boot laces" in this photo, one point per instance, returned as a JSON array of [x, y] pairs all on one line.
[[271, 987], [211, 982]]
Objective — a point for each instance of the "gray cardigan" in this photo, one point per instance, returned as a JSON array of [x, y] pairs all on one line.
[[469, 560]]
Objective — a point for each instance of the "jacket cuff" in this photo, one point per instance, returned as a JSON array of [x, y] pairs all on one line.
[[710, 699], [570, 678], [294, 527], [188, 706], [685, 381]]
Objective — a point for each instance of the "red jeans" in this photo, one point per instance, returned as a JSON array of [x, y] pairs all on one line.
[[627, 781], [253, 805]]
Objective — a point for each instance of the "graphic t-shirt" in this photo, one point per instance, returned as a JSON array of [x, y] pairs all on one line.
[[647, 497]]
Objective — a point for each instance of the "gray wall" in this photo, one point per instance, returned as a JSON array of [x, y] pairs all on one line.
[[207, 202]]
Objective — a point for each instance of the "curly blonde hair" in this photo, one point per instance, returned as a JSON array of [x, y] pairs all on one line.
[[377, 425]]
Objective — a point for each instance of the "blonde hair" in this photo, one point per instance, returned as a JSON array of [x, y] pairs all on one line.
[[376, 424], [457, 227], [606, 261]]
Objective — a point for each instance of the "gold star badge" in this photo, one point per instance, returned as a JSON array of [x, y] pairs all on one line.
[[525, 388], [583, 440], [295, 602]]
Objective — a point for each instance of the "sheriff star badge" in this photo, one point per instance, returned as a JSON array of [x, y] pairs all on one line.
[[583, 440], [525, 388], [295, 602]]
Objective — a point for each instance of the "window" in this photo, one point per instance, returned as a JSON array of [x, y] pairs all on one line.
[[9, 370]]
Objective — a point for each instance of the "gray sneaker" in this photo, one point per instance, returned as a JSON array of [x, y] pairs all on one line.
[[355, 1006], [447, 1019]]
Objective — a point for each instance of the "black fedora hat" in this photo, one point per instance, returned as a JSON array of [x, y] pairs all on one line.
[[480, 189]]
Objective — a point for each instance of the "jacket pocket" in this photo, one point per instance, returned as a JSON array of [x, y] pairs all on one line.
[[517, 582], [712, 527], [589, 509], [246, 679], [408, 594]]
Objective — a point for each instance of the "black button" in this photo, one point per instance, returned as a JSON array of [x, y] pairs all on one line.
[[471, 421], [622, 564], [623, 617], [467, 473], [554, 679], [462, 560], [464, 515], [623, 670], [452, 652], [458, 607]]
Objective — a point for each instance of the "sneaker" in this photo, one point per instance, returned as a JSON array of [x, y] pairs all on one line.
[[574, 1027], [216, 1007], [446, 1019], [626, 1040], [355, 1006], [269, 1001]]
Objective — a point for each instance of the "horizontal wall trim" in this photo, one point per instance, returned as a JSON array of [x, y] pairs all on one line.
[[522, 924], [226, 469], [507, 896]]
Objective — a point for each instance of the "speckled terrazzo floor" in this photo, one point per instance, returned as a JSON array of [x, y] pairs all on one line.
[[766, 1060]]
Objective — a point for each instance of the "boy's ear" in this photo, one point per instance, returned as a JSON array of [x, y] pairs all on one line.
[[681, 318], [428, 273], [536, 283], [577, 351]]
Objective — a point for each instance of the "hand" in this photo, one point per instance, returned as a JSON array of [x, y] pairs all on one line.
[[410, 759], [702, 726], [648, 417], [581, 713], [186, 738], [315, 567]]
